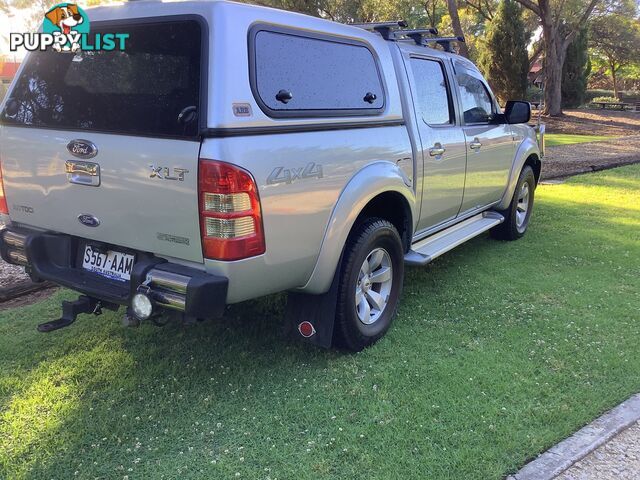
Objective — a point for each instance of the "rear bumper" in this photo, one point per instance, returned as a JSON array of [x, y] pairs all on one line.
[[56, 258]]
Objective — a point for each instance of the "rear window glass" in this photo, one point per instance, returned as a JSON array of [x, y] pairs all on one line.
[[139, 91], [303, 76]]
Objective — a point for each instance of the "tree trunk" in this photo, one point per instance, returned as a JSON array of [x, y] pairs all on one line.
[[554, 55], [452, 6], [612, 66]]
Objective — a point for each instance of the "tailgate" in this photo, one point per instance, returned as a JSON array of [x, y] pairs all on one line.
[[158, 214], [104, 145]]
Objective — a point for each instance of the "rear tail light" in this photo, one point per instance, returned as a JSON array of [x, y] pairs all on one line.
[[230, 213], [3, 200]]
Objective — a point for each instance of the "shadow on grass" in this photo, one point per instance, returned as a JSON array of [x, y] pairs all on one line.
[[97, 397]]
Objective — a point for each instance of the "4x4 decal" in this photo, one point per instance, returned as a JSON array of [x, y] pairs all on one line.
[[289, 175]]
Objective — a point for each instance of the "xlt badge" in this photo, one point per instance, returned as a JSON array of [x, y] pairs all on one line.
[[164, 173]]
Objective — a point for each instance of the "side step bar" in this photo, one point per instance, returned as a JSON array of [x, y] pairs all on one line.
[[426, 250]]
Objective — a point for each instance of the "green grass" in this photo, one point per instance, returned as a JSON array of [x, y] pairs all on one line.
[[499, 351], [558, 139]]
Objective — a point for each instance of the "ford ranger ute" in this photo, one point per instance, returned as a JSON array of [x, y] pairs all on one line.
[[232, 151]]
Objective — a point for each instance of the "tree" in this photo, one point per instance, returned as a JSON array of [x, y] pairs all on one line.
[[561, 20], [575, 71], [427, 14], [484, 8], [614, 38], [474, 27], [452, 6], [504, 59]]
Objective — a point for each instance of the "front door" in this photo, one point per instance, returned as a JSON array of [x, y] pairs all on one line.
[[490, 146], [443, 142]]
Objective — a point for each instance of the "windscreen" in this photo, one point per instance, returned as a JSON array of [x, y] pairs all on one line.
[[151, 88]]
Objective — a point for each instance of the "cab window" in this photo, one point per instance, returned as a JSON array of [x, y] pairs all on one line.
[[432, 96], [477, 106]]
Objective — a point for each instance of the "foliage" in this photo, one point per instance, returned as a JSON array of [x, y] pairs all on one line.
[[606, 99], [533, 94], [625, 96], [560, 21], [614, 39], [503, 58], [428, 13], [473, 27], [575, 71]]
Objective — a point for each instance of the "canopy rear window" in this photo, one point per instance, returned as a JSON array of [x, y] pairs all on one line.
[[295, 75], [139, 91]]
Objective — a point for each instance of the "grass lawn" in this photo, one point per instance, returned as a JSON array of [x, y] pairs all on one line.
[[499, 351], [557, 139]]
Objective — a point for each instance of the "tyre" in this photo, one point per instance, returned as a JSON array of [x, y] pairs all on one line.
[[518, 214], [370, 283]]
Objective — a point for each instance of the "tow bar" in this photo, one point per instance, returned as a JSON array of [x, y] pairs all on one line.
[[70, 310]]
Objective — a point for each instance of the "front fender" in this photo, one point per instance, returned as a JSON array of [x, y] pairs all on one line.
[[527, 147], [366, 184]]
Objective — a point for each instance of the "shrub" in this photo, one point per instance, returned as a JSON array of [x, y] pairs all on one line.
[[606, 99], [575, 72], [630, 96], [534, 94]]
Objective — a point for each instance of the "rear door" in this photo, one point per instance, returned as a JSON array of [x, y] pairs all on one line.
[[490, 146], [111, 136], [443, 142]]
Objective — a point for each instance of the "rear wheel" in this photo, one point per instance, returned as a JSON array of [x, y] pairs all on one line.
[[517, 216], [371, 279]]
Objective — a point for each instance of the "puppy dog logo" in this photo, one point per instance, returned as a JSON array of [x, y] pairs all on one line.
[[69, 20], [66, 29]]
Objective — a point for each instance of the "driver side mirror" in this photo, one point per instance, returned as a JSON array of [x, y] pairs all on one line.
[[517, 111]]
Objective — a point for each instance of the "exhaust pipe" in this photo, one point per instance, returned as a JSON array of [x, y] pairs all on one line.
[[160, 289]]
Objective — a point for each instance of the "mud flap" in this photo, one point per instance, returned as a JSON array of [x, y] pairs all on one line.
[[312, 317]]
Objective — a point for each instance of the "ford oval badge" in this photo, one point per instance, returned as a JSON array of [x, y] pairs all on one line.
[[88, 220], [82, 148]]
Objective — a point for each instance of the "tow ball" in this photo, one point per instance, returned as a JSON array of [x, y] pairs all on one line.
[[70, 311]]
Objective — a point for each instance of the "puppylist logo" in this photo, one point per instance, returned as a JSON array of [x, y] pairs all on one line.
[[66, 29]]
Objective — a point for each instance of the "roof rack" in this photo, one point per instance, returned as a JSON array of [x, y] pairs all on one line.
[[415, 35], [444, 42], [394, 31], [385, 29]]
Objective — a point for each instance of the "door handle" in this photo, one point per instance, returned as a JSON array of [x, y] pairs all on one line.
[[437, 150], [475, 145]]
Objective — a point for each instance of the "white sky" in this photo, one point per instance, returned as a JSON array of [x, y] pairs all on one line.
[[16, 21]]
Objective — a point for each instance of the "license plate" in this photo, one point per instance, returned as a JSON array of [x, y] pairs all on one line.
[[112, 264]]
